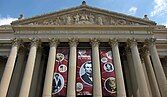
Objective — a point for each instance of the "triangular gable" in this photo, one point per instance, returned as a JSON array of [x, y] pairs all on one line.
[[82, 15]]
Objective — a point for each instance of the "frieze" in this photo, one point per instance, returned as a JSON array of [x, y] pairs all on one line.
[[77, 32]]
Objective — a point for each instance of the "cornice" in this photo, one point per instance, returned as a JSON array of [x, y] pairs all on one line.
[[82, 27], [6, 28]]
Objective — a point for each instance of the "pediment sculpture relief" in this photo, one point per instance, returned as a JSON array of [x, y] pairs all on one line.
[[84, 18]]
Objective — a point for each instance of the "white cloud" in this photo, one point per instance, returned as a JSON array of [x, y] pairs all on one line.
[[160, 7], [6, 20], [132, 10]]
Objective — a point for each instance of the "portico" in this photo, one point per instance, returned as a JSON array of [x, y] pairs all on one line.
[[70, 38]]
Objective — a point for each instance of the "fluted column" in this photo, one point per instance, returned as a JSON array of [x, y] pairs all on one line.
[[159, 72], [26, 83], [141, 80], [71, 92], [37, 67], [97, 87], [6, 78], [118, 69], [14, 86], [47, 90], [150, 72], [133, 73]]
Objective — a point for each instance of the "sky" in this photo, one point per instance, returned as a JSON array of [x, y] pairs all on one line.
[[156, 10]]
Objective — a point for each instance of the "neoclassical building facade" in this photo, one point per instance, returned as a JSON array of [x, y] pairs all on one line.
[[83, 51]]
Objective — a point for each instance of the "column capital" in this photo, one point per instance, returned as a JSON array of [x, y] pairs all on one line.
[[94, 42], [150, 41], [144, 51], [131, 42], [16, 42], [73, 42], [34, 41], [113, 41], [53, 42]]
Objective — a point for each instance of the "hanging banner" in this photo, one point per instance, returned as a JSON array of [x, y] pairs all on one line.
[[84, 72], [60, 73], [108, 73]]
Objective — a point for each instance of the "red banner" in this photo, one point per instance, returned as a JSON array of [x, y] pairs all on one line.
[[108, 73], [84, 72], [60, 73]]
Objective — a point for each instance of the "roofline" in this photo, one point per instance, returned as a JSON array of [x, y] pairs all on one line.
[[85, 6]]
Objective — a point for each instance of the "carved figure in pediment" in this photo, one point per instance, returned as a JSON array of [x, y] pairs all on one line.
[[69, 20], [45, 22], [76, 18], [112, 21], [91, 18], [58, 21], [51, 22], [48, 22], [84, 17], [100, 20], [31, 24], [35, 23], [121, 22]]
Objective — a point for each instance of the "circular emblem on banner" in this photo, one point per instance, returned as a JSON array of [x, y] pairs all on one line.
[[109, 54], [108, 67], [110, 85], [104, 59], [59, 57], [58, 83], [62, 68], [79, 87], [86, 73]]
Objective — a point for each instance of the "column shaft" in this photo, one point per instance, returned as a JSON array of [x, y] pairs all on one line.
[[97, 88], [161, 78], [47, 90], [6, 78], [16, 76], [141, 80], [146, 76], [151, 75], [118, 69], [133, 74], [37, 67], [71, 92], [26, 83]]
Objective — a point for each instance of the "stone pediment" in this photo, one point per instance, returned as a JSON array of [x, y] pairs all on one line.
[[83, 15]]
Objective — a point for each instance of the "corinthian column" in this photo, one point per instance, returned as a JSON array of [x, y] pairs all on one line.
[[97, 88], [150, 72], [159, 72], [133, 73], [72, 68], [141, 80], [47, 90], [118, 69], [5, 81], [26, 83]]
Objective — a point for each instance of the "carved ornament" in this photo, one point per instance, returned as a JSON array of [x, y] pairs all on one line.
[[73, 42], [94, 42], [132, 42], [53, 42], [84, 17]]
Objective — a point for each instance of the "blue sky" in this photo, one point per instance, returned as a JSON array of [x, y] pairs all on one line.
[[155, 9]]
